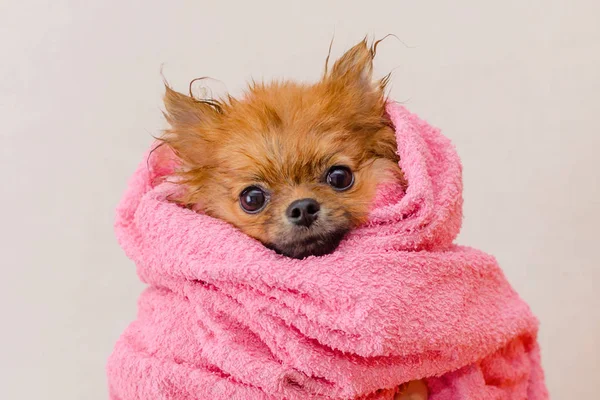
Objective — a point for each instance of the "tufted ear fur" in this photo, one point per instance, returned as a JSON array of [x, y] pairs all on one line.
[[355, 68], [185, 111], [351, 77], [192, 133]]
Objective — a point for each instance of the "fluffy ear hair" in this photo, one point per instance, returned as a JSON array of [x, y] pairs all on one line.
[[186, 111], [193, 129], [355, 68], [352, 78]]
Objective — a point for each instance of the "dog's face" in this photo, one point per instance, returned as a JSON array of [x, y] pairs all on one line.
[[294, 166]]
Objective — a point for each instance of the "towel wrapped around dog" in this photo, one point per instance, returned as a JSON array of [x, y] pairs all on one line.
[[223, 317]]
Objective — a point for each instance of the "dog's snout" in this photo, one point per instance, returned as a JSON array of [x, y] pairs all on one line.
[[303, 212]]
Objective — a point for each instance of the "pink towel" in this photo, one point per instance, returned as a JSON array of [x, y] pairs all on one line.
[[225, 318]]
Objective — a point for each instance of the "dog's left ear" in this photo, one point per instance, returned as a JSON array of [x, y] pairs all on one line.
[[355, 68]]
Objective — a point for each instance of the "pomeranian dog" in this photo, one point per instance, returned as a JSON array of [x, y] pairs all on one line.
[[295, 166]]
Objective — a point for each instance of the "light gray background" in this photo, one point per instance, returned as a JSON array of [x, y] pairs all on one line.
[[515, 84]]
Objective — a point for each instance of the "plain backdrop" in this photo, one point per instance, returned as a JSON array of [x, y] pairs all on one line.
[[515, 84]]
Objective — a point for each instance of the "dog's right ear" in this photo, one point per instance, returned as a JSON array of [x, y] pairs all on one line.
[[194, 129], [186, 112]]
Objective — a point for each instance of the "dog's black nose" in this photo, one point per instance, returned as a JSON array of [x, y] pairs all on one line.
[[303, 212]]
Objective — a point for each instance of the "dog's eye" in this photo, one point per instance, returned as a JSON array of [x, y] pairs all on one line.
[[253, 199], [340, 178]]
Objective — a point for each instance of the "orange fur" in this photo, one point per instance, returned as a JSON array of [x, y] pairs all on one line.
[[283, 137]]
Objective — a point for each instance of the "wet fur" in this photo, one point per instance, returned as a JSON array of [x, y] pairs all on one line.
[[284, 136]]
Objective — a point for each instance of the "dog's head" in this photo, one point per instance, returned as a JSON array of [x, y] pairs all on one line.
[[293, 165]]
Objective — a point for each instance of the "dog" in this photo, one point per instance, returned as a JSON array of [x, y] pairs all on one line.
[[295, 166]]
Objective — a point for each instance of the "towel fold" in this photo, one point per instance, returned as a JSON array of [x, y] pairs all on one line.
[[223, 317]]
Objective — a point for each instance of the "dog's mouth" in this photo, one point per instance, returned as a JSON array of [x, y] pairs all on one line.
[[318, 244]]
